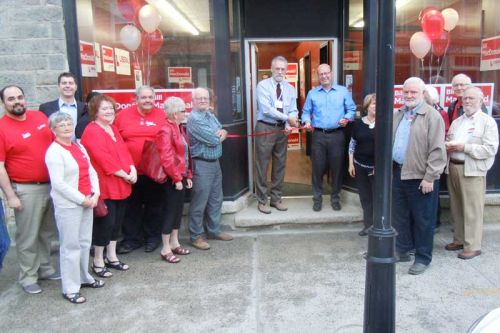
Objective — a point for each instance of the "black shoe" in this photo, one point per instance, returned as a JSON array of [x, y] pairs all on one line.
[[364, 232], [150, 247], [403, 257], [317, 206], [126, 248], [336, 206]]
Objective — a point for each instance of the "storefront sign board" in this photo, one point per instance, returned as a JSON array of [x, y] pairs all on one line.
[[125, 98], [87, 59], [490, 54]]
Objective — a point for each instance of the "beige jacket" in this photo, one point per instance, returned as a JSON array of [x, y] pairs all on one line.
[[425, 156], [481, 148]]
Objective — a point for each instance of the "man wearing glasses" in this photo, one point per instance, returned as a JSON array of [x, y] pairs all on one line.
[[459, 83]]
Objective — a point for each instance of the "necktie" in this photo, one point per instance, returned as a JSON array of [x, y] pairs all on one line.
[[278, 96]]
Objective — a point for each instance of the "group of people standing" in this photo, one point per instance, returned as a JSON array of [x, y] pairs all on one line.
[[47, 173]]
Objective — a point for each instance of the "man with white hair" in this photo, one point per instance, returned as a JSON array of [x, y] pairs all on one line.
[[419, 158], [459, 83], [472, 144]]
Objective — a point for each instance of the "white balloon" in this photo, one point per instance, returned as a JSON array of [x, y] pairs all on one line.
[[420, 44], [149, 18], [130, 37], [450, 18]]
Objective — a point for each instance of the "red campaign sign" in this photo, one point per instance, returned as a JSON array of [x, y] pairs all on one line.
[[292, 70], [125, 98], [184, 72], [107, 55], [87, 56]]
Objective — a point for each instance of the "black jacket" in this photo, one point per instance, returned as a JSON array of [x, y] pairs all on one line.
[[53, 106]]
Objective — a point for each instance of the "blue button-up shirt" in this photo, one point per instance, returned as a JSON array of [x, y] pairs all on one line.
[[324, 109], [402, 136], [266, 101], [204, 140], [71, 109]]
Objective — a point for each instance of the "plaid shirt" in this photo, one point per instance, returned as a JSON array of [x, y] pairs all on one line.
[[202, 129]]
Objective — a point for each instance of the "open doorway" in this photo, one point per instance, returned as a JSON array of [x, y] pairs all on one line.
[[304, 56]]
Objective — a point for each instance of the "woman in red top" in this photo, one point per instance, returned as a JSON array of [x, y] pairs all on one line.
[[116, 173], [173, 148]]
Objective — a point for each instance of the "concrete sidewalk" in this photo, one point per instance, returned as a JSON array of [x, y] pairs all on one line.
[[273, 280]]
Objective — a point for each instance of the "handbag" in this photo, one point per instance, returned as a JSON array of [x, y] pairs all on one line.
[[150, 164], [100, 210]]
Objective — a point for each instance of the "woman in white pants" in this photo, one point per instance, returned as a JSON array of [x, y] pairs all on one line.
[[75, 190]]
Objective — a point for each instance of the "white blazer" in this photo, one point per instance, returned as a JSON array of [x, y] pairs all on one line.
[[64, 176]]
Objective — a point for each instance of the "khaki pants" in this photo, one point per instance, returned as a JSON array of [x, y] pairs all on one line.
[[467, 206], [34, 230]]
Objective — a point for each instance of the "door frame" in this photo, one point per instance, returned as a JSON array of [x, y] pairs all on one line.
[[250, 67]]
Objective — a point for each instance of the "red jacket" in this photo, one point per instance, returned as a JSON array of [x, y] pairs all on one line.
[[171, 149]]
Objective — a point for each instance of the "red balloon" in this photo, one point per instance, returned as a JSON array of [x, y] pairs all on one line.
[[129, 8], [440, 44], [152, 42], [433, 23], [424, 11]]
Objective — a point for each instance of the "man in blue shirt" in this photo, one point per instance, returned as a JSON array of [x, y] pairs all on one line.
[[205, 139], [327, 110], [277, 113]]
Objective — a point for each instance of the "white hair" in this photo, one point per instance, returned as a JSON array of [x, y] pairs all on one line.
[[477, 90], [461, 76], [417, 80], [431, 96]]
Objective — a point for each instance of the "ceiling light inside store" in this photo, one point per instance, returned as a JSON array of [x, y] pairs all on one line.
[[358, 24], [170, 12]]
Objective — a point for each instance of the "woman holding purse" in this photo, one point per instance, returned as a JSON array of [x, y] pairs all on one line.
[[116, 173], [172, 144], [74, 192]]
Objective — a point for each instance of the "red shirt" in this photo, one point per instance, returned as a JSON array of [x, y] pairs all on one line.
[[136, 128], [108, 156], [84, 185], [23, 144]]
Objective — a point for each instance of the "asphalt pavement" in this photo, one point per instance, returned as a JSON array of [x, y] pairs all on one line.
[[306, 279]]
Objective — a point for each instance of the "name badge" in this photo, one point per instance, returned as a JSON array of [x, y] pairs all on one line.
[[278, 104]]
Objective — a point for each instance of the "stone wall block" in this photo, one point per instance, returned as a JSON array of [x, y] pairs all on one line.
[[23, 62], [58, 62]]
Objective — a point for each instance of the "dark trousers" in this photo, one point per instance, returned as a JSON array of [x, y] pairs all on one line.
[[107, 228], [414, 216], [144, 213], [327, 150], [269, 148], [173, 207], [365, 182]]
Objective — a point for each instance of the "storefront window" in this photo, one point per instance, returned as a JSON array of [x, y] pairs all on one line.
[[167, 44]]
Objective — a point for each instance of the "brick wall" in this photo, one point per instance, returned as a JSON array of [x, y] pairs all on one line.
[[32, 47]]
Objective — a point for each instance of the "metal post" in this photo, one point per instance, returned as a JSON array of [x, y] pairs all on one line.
[[380, 289]]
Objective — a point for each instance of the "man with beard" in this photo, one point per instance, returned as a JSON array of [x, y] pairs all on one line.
[[66, 84], [277, 112], [144, 213], [24, 179], [328, 108], [419, 158], [472, 144]]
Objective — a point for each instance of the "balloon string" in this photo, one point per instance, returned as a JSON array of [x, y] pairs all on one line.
[[430, 67], [442, 59]]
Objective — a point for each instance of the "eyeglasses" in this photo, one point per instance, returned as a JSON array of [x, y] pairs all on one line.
[[63, 125], [202, 98]]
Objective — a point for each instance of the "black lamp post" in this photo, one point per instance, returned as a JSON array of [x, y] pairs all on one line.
[[380, 289]]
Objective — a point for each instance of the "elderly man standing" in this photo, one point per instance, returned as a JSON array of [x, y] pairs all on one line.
[[472, 143], [328, 109], [277, 112], [206, 136], [144, 212], [419, 158], [24, 139]]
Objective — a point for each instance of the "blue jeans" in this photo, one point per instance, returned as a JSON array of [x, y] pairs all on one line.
[[206, 198], [4, 237], [414, 216]]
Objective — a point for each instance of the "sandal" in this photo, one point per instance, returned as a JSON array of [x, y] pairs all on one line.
[[75, 298], [170, 257], [95, 284], [101, 271], [181, 250], [118, 265]]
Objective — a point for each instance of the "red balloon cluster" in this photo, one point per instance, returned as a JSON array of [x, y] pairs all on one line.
[[152, 42], [129, 8]]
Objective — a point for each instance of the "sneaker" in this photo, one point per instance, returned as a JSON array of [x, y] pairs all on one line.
[[32, 288], [403, 257], [53, 277], [417, 268], [264, 208], [200, 244], [279, 206], [222, 237]]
